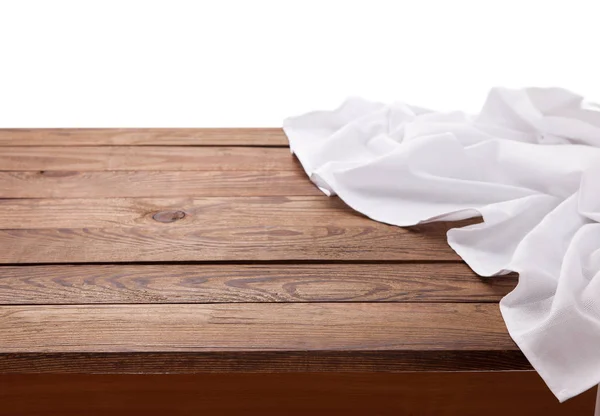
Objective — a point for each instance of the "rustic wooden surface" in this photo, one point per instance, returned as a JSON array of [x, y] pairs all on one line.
[[253, 326], [150, 183], [143, 137], [127, 158], [208, 251], [249, 283]]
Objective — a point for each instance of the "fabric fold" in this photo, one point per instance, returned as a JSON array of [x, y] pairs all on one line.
[[528, 164]]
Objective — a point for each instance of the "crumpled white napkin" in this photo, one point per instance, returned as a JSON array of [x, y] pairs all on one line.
[[528, 163]]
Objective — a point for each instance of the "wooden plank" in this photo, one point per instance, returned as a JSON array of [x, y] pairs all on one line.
[[222, 283], [254, 326], [80, 158], [162, 184], [144, 136], [424, 394], [185, 212], [256, 243], [186, 362]]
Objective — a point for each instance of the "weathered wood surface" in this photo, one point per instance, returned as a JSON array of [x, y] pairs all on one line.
[[250, 283], [150, 183], [144, 136], [132, 158], [250, 243], [182, 212], [197, 229], [142, 250], [254, 327]]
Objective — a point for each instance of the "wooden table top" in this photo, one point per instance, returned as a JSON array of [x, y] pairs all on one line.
[[208, 250]]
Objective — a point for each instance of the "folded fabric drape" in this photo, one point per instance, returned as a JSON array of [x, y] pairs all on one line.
[[528, 163]]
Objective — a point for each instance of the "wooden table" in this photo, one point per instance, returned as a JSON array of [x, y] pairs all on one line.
[[208, 255]]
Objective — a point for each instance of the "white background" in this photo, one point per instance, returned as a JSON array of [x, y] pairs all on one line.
[[126, 63]]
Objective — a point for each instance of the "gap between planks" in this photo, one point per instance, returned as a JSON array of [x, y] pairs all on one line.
[[208, 229]]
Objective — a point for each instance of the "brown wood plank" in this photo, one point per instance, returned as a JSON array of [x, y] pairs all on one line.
[[144, 136], [254, 327], [184, 212], [257, 243], [157, 158], [162, 184], [221, 283], [423, 394]]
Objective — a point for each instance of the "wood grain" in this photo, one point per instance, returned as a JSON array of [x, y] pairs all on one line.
[[157, 158], [186, 212], [222, 283], [254, 327], [233, 243], [177, 212], [193, 362], [284, 279], [161, 184], [423, 394], [144, 136]]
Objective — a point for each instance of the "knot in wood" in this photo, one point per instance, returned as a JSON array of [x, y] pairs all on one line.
[[168, 216]]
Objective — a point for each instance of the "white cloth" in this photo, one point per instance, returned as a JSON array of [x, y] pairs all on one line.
[[529, 164]]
